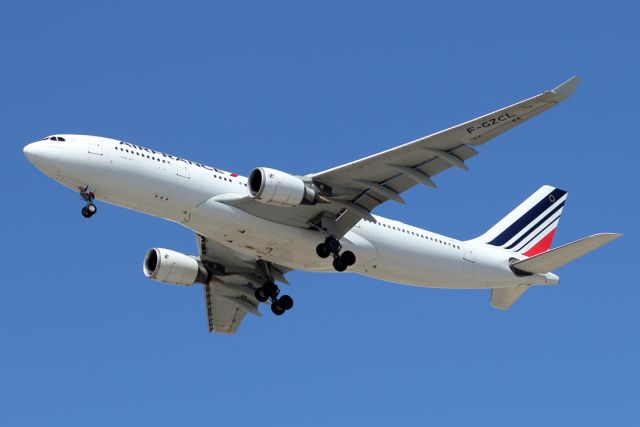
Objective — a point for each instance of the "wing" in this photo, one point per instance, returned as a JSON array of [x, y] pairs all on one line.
[[353, 190], [383, 176], [229, 295]]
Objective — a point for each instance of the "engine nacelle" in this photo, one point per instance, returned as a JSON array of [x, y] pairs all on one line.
[[173, 267], [274, 187]]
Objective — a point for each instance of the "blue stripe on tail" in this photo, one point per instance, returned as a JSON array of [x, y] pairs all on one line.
[[528, 217]]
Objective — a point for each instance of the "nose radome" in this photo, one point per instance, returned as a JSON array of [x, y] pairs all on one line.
[[32, 151]]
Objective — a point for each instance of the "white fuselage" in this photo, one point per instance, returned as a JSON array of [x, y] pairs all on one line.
[[188, 193]]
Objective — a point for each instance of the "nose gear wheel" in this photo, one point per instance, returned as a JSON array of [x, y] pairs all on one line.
[[87, 194]]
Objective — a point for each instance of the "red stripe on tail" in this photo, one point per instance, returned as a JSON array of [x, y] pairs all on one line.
[[542, 246]]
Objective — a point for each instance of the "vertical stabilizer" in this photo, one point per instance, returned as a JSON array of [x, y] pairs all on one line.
[[530, 227]]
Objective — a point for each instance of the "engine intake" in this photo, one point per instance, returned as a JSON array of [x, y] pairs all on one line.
[[274, 187], [173, 267]]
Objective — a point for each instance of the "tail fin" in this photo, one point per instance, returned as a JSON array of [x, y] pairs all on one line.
[[529, 228]]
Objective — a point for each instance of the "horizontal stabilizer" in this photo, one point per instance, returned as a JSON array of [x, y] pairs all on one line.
[[503, 298], [550, 260]]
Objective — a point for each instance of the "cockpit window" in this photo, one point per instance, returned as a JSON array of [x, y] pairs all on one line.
[[53, 138], [60, 138]]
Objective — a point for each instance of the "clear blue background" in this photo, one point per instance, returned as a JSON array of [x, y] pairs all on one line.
[[86, 339]]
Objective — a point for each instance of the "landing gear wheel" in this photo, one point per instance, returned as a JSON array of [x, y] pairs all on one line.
[[271, 289], [322, 250], [277, 309], [86, 194], [285, 302], [339, 264], [332, 244], [261, 295], [348, 258]]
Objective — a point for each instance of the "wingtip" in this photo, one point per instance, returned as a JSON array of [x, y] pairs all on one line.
[[567, 88], [608, 237]]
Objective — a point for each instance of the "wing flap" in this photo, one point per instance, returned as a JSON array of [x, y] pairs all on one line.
[[222, 316]]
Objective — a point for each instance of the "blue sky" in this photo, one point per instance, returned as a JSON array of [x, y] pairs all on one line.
[[303, 86]]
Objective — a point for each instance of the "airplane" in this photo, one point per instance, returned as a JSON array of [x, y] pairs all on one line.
[[251, 231]]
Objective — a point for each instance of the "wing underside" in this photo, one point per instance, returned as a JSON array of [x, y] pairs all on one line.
[[229, 294], [385, 175]]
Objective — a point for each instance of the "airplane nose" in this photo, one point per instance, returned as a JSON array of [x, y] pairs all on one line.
[[33, 151]]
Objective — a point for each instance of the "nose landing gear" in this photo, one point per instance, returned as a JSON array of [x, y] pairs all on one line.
[[87, 195], [332, 246]]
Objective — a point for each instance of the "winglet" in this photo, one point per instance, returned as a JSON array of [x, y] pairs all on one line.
[[566, 89]]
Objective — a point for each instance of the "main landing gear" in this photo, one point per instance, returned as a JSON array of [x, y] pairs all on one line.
[[87, 195], [271, 291], [332, 246]]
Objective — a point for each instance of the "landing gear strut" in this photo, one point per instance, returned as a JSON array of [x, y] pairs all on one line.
[[86, 194], [332, 246]]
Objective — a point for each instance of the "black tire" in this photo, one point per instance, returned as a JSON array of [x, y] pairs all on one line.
[[339, 264], [322, 250], [348, 258], [277, 309], [271, 289], [85, 212], [92, 208], [261, 295], [332, 244], [285, 302]]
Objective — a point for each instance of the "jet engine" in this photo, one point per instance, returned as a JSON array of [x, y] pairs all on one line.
[[274, 187], [173, 267]]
